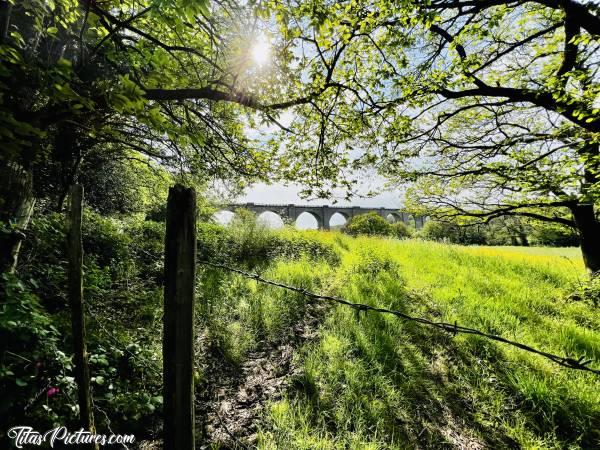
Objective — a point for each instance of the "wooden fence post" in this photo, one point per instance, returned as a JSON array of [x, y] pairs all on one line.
[[75, 255], [178, 336]]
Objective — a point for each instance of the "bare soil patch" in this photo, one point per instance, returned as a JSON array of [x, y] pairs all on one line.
[[234, 398]]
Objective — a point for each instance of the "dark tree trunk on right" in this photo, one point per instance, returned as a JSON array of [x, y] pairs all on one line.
[[588, 227]]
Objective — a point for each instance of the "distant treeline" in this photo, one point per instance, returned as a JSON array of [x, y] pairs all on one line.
[[500, 231]]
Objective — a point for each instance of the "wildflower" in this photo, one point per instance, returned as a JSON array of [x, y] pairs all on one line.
[[52, 392]]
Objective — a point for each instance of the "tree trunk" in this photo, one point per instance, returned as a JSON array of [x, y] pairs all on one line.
[[524, 240], [5, 11], [589, 233], [16, 208], [583, 214]]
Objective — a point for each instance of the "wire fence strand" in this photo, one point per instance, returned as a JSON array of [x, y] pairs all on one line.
[[578, 364]]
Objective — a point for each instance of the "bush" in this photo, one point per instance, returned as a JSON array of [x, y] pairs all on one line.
[[43, 257], [587, 291], [370, 224], [400, 230], [295, 244], [149, 247], [123, 285], [244, 240]]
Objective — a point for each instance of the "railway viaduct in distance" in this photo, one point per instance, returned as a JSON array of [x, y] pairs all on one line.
[[323, 214]]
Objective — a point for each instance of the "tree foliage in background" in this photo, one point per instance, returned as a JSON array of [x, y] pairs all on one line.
[[453, 233], [510, 230], [553, 235]]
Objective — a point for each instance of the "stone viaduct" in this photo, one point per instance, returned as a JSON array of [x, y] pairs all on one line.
[[323, 214]]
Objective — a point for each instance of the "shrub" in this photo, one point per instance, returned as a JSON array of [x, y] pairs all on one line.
[[122, 280], [244, 240], [251, 237], [372, 263], [147, 249], [587, 291], [591, 291], [370, 224], [115, 252], [104, 238], [401, 230], [434, 231], [43, 257]]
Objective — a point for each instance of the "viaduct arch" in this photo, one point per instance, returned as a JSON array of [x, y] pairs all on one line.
[[324, 213]]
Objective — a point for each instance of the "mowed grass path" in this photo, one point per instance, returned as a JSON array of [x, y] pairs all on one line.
[[374, 381]]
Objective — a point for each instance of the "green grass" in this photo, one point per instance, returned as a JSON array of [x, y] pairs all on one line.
[[375, 381], [573, 253]]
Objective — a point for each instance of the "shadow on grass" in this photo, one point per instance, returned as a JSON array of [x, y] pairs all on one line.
[[401, 384]]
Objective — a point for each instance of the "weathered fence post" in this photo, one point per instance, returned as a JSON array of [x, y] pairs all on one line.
[[178, 350], [75, 254]]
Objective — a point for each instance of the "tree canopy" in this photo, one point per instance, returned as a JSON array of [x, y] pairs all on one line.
[[162, 78], [490, 106]]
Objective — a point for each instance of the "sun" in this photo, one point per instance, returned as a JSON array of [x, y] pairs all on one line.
[[260, 51]]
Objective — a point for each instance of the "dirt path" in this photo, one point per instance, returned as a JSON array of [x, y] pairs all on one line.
[[235, 398]]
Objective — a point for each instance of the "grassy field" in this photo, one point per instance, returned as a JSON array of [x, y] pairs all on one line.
[[373, 381]]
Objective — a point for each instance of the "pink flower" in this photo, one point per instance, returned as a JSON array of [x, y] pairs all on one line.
[[52, 392]]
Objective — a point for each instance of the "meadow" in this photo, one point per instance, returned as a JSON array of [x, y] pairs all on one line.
[[374, 381], [287, 372]]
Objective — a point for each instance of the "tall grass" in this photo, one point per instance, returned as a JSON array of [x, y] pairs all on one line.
[[374, 381], [377, 382]]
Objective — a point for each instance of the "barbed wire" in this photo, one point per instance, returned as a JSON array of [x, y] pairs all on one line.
[[37, 396], [108, 422], [577, 364]]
